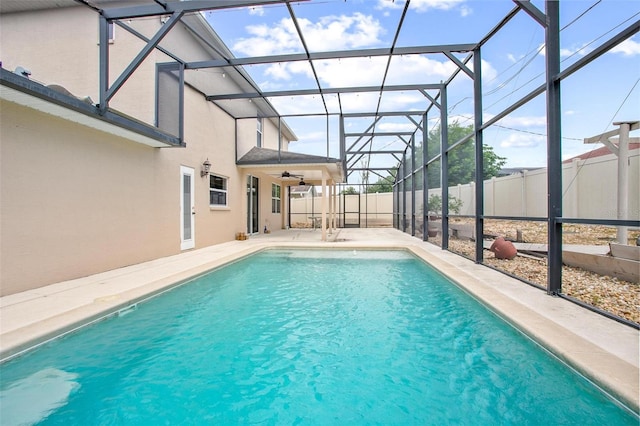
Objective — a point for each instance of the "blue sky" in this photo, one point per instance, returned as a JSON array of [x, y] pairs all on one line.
[[605, 91]]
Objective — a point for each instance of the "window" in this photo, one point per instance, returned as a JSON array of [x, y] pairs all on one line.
[[259, 127], [217, 190], [275, 198]]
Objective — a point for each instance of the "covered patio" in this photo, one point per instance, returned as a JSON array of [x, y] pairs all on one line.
[[295, 169]]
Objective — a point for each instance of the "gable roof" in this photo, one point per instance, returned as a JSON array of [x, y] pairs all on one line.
[[599, 152], [313, 167], [261, 156]]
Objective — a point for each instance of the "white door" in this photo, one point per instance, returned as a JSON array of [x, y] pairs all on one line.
[[187, 209]]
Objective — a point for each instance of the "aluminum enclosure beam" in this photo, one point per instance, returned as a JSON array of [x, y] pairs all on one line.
[[130, 12], [137, 61], [532, 11], [340, 54], [373, 134], [383, 114], [371, 168], [376, 152], [479, 152], [554, 148], [327, 91]]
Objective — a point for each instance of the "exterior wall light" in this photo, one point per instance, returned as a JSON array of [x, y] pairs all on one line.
[[206, 166]]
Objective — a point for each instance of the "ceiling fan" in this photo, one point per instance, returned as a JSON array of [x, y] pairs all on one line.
[[286, 174]]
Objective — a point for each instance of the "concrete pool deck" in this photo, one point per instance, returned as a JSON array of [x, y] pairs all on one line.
[[604, 350]]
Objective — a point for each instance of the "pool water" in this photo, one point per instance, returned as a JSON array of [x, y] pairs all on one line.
[[303, 337]]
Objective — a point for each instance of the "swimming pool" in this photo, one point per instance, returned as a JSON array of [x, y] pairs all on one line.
[[312, 337]]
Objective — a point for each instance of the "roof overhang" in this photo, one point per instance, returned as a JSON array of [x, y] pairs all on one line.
[[20, 90], [312, 168]]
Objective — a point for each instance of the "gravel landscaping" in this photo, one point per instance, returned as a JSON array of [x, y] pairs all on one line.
[[621, 298]]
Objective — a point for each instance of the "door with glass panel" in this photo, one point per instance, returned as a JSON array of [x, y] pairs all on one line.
[[187, 209], [252, 205]]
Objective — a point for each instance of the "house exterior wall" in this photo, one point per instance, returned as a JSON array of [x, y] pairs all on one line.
[[58, 46], [247, 135], [76, 201]]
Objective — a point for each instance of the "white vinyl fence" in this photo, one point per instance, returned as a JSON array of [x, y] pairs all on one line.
[[590, 191]]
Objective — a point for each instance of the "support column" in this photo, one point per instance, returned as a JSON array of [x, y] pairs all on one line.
[[396, 204], [334, 202], [621, 150], [324, 207], [444, 166], [425, 186], [554, 147], [525, 210], [413, 185], [623, 179], [404, 198], [330, 193], [104, 64], [479, 151], [574, 190]]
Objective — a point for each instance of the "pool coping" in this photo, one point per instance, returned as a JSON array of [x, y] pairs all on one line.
[[603, 350]]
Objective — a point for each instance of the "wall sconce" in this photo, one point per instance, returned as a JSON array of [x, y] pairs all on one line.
[[206, 166]]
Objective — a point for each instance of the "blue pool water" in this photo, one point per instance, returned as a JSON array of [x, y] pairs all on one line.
[[303, 337]]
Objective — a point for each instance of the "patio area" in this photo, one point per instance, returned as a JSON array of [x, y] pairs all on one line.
[[603, 350]]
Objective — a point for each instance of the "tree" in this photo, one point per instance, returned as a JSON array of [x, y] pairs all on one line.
[[349, 191], [434, 204], [461, 159], [382, 185]]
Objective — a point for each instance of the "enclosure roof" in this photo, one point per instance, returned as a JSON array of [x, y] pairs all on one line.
[[383, 74]]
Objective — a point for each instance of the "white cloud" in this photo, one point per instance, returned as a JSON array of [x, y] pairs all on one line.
[[328, 33], [351, 71], [628, 47], [307, 103], [278, 72], [265, 40], [422, 6], [396, 127], [408, 69], [333, 33], [522, 140], [269, 85], [525, 121]]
